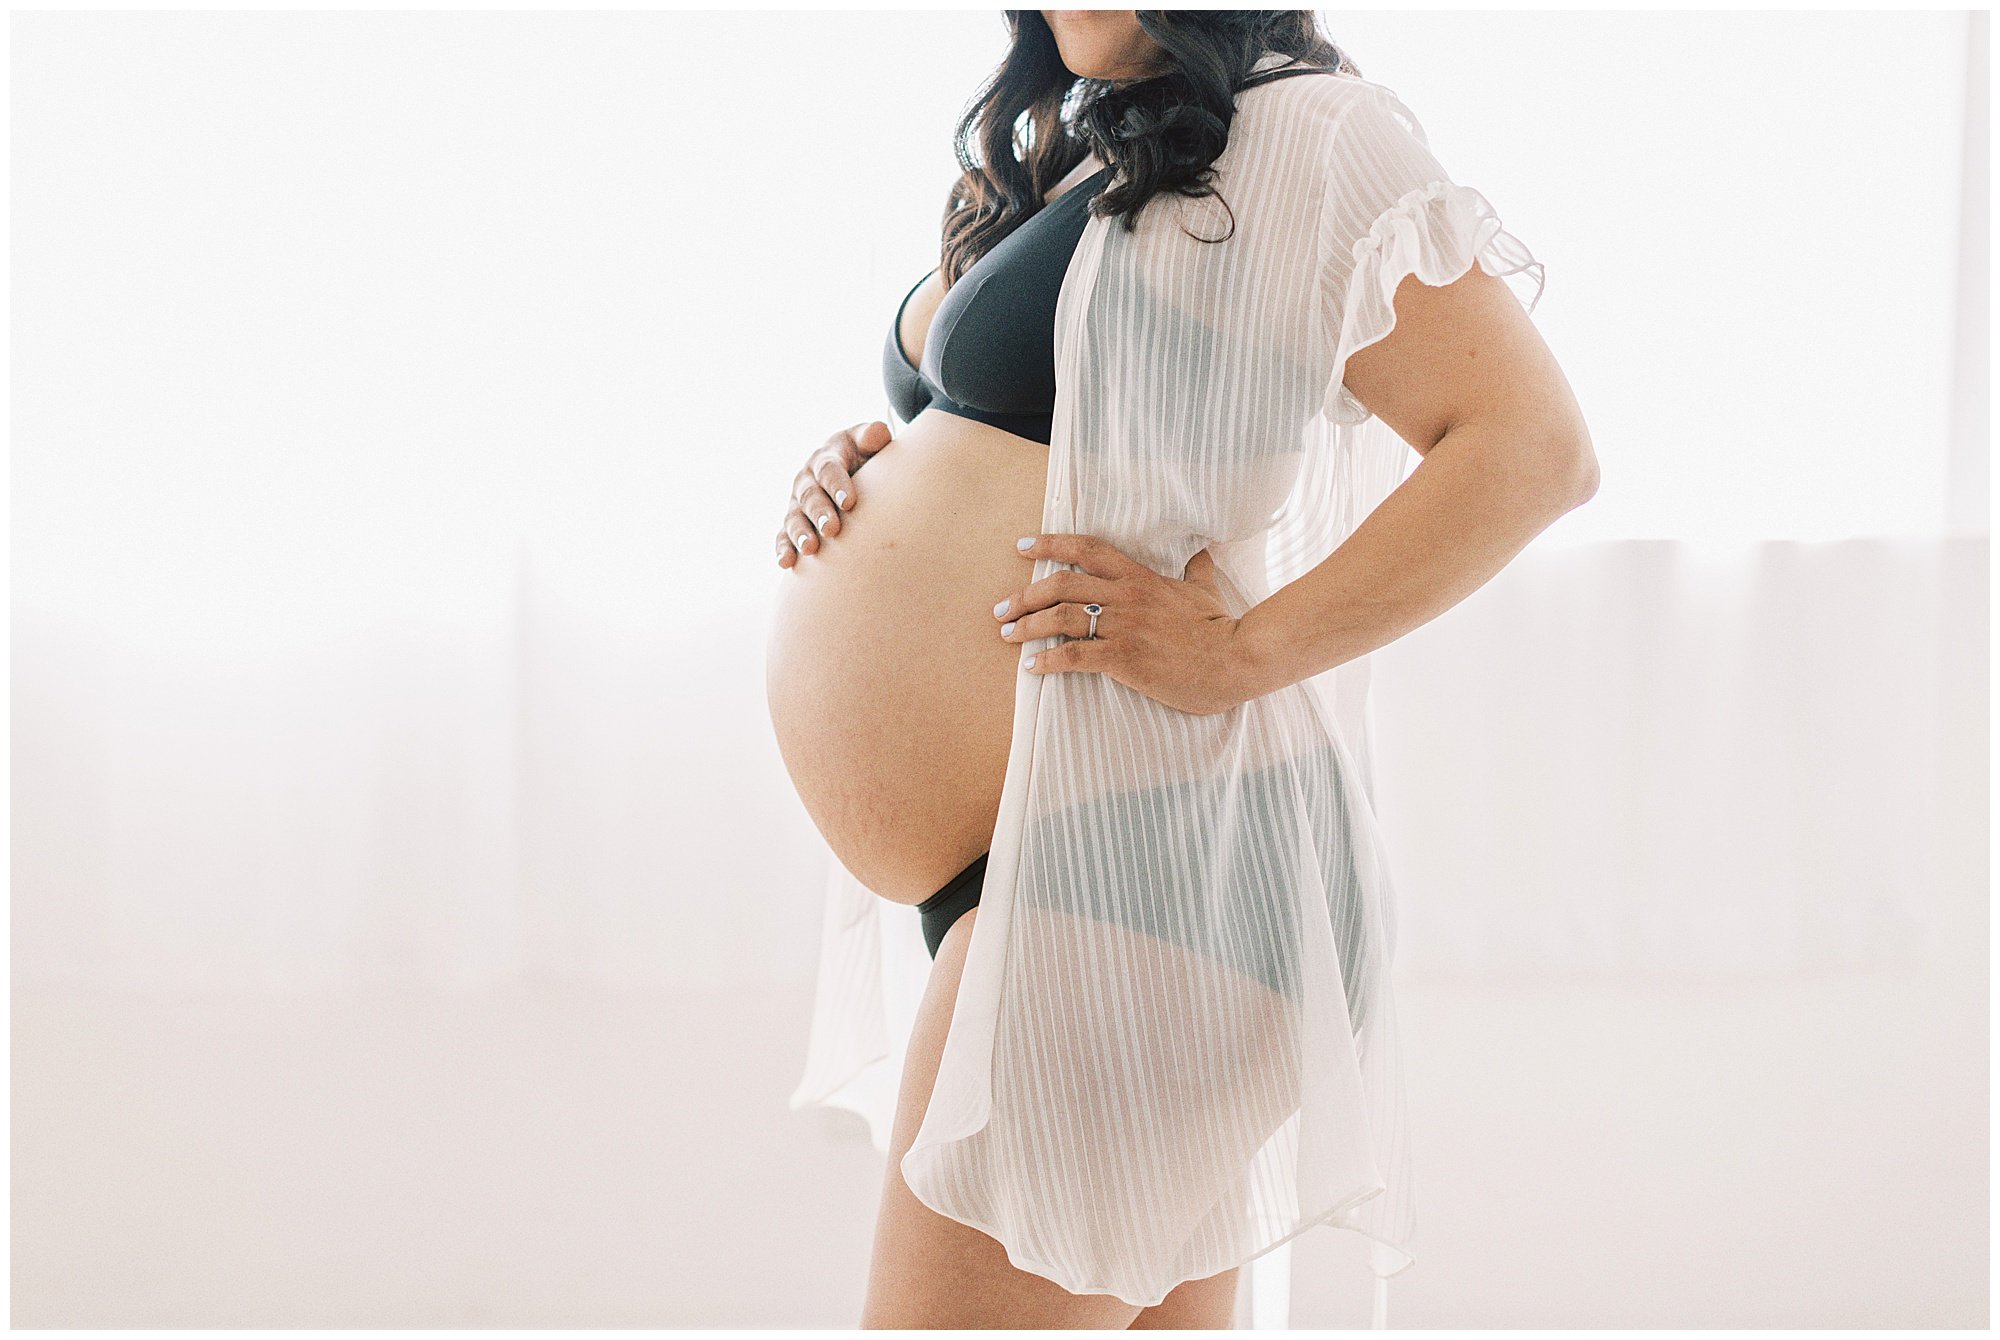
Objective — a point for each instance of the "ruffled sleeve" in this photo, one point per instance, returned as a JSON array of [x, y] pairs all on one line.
[[1390, 211]]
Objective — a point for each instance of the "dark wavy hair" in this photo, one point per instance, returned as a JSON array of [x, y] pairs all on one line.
[[1033, 120]]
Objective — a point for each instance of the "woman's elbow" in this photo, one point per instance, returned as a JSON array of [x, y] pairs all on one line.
[[1553, 420], [1554, 459], [1583, 472], [1565, 447]]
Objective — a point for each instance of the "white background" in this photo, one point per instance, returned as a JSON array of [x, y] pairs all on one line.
[[413, 924]]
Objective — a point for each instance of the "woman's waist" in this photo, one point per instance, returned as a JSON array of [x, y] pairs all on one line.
[[1127, 745]]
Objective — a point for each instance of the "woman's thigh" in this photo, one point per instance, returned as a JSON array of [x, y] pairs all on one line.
[[1195, 1305], [929, 1272]]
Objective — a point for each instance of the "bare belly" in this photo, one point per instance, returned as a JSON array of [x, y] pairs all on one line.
[[890, 689]]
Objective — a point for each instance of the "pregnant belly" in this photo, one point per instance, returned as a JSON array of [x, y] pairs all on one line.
[[891, 692]]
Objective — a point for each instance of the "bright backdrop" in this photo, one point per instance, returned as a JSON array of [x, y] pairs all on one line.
[[413, 922]]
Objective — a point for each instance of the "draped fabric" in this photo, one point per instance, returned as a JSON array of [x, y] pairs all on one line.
[[1175, 1044]]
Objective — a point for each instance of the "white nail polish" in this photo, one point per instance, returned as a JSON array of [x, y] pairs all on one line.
[[840, 498], [822, 523], [1001, 608], [1006, 628], [1028, 664], [1024, 542]]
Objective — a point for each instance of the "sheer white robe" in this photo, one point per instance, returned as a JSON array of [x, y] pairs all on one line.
[[1175, 1043]]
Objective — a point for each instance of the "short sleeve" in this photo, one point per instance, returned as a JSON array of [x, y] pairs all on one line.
[[1390, 210]]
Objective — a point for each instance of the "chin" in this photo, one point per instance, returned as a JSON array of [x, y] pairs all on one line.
[[1102, 43]]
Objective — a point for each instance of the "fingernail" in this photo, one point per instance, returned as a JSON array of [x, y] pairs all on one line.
[[840, 498], [1026, 541], [1006, 628], [1001, 608], [822, 522], [1028, 664]]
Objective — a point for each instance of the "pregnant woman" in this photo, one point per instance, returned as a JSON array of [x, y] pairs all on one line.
[[1082, 663]]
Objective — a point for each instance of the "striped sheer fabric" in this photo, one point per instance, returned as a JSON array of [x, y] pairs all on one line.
[[1175, 1040]]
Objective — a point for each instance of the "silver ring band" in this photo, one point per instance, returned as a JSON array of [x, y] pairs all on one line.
[[1093, 611]]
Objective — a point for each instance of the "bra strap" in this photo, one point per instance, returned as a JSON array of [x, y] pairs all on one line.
[[1283, 72]]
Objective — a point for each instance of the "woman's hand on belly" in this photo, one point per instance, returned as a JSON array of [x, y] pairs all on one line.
[[824, 488], [891, 695]]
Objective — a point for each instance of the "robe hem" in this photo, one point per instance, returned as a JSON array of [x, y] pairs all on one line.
[[1327, 1218]]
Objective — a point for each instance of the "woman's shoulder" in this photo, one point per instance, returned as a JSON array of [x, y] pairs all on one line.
[[1304, 103], [1312, 91]]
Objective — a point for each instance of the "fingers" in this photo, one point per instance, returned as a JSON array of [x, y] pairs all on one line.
[[825, 474], [846, 452], [813, 501], [864, 442], [1097, 556], [797, 536], [1069, 619], [1092, 654], [1065, 584], [824, 489]]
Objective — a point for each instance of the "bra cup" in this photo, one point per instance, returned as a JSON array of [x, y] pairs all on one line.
[[937, 364], [906, 390], [1001, 361], [1006, 364]]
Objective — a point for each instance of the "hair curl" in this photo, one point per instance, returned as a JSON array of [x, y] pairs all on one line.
[[1032, 121]]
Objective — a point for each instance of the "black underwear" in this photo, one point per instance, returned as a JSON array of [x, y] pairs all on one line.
[[1249, 848], [951, 902]]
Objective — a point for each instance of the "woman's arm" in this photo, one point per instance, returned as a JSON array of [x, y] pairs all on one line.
[[1454, 367], [1466, 380]]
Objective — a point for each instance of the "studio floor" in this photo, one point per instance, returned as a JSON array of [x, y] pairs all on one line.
[[1730, 1152]]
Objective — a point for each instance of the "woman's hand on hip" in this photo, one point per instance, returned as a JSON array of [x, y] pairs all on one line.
[[1169, 638], [824, 488]]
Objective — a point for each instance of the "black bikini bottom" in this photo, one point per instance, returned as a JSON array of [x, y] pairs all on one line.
[[951, 902], [1250, 847]]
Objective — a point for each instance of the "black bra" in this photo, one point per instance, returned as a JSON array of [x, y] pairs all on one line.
[[990, 352]]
